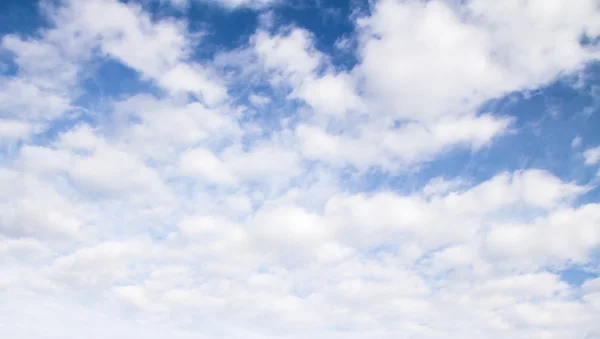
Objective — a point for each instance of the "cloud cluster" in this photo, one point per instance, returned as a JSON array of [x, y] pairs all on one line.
[[216, 201]]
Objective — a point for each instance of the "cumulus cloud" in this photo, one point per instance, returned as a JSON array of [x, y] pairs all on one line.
[[269, 189]]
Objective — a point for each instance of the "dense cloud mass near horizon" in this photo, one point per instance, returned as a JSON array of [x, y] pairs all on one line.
[[274, 169]]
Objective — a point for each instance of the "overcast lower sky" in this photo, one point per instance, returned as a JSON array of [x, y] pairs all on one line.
[[248, 169]]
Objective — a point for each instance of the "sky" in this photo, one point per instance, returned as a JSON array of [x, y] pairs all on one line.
[[300, 169]]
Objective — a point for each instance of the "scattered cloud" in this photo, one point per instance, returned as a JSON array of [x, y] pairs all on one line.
[[592, 155], [271, 189]]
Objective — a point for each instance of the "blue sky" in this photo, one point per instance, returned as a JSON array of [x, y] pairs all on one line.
[[272, 169]]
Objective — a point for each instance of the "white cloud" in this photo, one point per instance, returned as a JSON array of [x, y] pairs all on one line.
[[449, 218], [424, 60], [329, 94], [177, 210], [185, 78], [14, 129], [98, 266], [137, 296], [592, 155], [565, 235], [25, 100], [293, 61], [272, 160], [289, 55], [256, 4], [149, 47], [289, 228], [32, 208], [394, 148], [204, 164], [111, 170], [230, 4], [157, 49], [235, 165], [46, 64], [439, 185], [258, 100], [168, 125]]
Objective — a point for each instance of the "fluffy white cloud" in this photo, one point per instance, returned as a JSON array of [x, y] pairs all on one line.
[[563, 236], [25, 100], [14, 130], [235, 165], [32, 208], [439, 185], [158, 50], [178, 210], [188, 78], [447, 218], [165, 126], [204, 164], [329, 94], [426, 59], [258, 100], [290, 55], [393, 148]]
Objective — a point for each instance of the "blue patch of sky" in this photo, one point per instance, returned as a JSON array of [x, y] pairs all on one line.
[[225, 29], [20, 16], [576, 276], [588, 41], [8, 67], [111, 80]]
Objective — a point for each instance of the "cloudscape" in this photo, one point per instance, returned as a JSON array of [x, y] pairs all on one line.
[[252, 169]]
